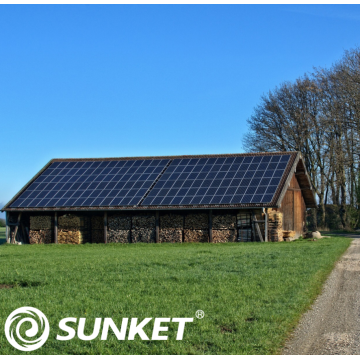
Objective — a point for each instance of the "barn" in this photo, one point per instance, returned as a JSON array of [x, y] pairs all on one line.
[[199, 198]]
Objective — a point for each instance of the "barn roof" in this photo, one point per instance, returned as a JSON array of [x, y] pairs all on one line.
[[164, 182]]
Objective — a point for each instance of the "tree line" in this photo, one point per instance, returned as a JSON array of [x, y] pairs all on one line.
[[319, 115]]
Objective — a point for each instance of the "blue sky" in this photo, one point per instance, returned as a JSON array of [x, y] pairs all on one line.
[[131, 80]]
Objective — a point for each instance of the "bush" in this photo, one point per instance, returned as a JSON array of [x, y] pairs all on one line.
[[2, 223]]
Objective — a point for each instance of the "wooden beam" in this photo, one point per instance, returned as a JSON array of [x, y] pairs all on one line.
[[294, 189], [300, 173], [253, 236], [157, 221], [7, 228], [210, 227], [266, 226], [16, 228], [25, 239], [257, 227], [56, 227], [105, 227]]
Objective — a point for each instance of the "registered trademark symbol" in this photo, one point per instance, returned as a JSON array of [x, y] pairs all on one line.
[[199, 314]]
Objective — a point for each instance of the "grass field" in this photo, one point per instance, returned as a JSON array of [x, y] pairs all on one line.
[[252, 293], [2, 235]]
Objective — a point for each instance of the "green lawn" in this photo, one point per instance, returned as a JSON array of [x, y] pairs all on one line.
[[252, 293]]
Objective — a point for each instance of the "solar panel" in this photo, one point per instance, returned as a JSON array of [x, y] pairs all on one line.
[[92, 183], [222, 180], [252, 179]]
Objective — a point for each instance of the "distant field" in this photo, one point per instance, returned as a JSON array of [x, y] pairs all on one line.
[[252, 293], [2, 235]]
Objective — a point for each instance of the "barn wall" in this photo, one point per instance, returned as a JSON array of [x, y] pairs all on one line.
[[140, 226], [293, 209]]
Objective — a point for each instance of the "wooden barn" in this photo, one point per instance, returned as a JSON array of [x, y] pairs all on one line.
[[200, 198]]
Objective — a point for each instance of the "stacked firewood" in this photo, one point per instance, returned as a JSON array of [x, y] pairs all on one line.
[[40, 230], [222, 236], [40, 236], [119, 229], [143, 222], [224, 228], [227, 221], [143, 229], [69, 221], [171, 235], [40, 222], [97, 229], [275, 225], [69, 236], [171, 228], [69, 229], [191, 235], [197, 221], [289, 235], [196, 227]]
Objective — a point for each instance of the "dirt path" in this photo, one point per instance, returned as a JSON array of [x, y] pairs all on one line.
[[332, 326]]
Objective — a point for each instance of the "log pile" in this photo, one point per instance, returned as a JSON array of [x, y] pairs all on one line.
[[119, 229], [197, 221], [289, 235], [69, 229], [227, 221], [171, 221], [275, 225], [40, 230], [143, 235], [170, 235], [69, 222], [97, 229], [118, 222], [143, 222], [196, 227], [69, 237], [40, 222], [118, 236], [171, 228], [40, 236], [222, 236], [143, 229], [191, 235]]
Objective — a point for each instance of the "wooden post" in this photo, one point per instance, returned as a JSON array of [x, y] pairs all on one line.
[[16, 228], [253, 235], [56, 227], [157, 220], [7, 228], [266, 225], [210, 227], [105, 227]]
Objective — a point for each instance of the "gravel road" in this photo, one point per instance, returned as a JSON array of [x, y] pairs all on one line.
[[332, 325]]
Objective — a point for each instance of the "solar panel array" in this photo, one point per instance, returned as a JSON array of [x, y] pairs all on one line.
[[232, 180], [95, 183], [192, 181]]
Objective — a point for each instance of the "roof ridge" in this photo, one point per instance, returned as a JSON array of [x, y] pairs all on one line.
[[175, 156]]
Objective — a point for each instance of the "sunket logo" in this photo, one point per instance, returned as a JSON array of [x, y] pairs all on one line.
[[37, 318], [135, 328]]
